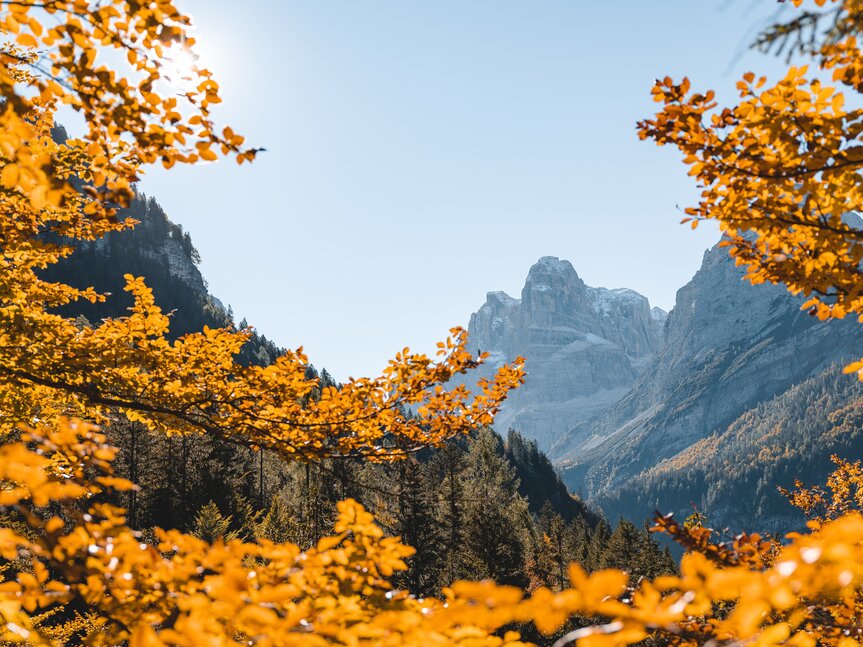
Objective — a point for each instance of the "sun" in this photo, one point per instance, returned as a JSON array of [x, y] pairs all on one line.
[[180, 65]]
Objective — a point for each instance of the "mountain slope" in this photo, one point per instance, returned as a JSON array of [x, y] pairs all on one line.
[[727, 347], [161, 252], [733, 474]]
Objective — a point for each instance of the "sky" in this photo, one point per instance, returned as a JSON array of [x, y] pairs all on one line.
[[421, 154]]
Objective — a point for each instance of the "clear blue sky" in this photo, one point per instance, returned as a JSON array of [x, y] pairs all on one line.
[[421, 154]]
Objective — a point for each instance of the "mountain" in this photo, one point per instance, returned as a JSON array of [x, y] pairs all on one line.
[[727, 347], [163, 253], [585, 347]]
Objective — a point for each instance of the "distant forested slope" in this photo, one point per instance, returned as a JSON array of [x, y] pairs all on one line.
[[732, 475]]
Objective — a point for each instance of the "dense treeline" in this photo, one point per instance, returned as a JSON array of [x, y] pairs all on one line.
[[463, 507], [733, 475]]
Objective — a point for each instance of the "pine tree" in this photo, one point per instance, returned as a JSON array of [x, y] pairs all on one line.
[[633, 550], [552, 548], [278, 524], [597, 542], [497, 522], [210, 524], [134, 462], [246, 518], [447, 467], [416, 524]]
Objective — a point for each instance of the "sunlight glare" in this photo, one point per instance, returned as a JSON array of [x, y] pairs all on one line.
[[180, 65]]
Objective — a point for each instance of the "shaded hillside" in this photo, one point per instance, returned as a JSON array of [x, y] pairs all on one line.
[[163, 253], [540, 483], [733, 474]]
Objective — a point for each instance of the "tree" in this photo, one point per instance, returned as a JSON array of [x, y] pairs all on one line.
[[110, 62], [57, 192], [846, 493], [278, 524], [621, 550], [417, 527], [780, 171], [447, 466], [553, 550], [496, 517], [211, 525]]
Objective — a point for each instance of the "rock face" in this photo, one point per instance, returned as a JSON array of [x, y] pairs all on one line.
[[585, 347], [726, 347], [155, 240]]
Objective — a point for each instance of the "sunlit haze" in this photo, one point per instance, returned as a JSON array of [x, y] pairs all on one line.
[[422, 154], [180, 67]]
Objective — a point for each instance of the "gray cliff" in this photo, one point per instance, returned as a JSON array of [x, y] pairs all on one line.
[[585, 347]]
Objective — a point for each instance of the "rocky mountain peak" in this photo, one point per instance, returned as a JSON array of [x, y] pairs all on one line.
[[659, 315], [554, 268], [550, 274], [584, 346], [554, 296]]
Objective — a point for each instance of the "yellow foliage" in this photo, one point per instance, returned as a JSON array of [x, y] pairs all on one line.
[[845, 485], [780, 171], [185, 591], [50, 365], [68, 549]]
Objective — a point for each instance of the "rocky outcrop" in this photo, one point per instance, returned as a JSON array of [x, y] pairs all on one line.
[[156, 241], [585, 347], [727, 346]]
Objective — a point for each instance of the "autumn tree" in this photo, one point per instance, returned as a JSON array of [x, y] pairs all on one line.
[[844, 493], [780, 170], [56, 192], [115, 64]]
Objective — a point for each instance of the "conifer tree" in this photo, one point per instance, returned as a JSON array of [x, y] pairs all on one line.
[[554, 548], [447, 467], [598, 540], [417, 526], [624, 549], [278, 524], [497, 519], [210, 524], [134, 462], [246, 518]]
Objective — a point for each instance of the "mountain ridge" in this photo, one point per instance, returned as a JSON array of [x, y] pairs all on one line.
[[727, 347], [615, 389]]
